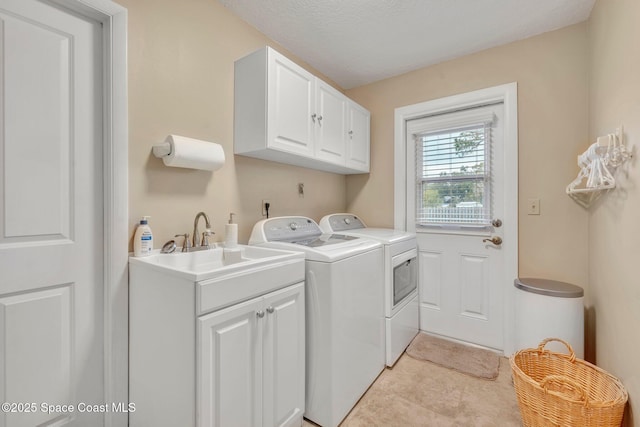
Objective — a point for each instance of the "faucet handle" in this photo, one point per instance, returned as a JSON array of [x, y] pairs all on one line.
[[186, 244], [205, 237]]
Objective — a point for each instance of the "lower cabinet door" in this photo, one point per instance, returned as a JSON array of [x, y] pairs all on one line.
[[284, 357], [229, 366]]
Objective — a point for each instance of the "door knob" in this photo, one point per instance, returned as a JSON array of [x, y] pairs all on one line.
[[496, 240]]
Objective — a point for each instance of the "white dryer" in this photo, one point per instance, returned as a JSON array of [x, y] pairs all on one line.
[[400, 278], [345, 312]]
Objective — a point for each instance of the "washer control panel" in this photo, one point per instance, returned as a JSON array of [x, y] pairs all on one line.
[[343, 222], [290, 228]]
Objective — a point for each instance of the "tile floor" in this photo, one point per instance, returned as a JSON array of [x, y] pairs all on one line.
[[419, 393]]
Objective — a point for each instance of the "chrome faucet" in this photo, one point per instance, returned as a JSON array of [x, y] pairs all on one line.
[[205, 234]]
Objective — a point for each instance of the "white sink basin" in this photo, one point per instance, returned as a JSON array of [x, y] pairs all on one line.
[[212, 263]]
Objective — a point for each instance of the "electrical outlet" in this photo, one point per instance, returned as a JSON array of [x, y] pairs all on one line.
[[533, 207], [264, 206]]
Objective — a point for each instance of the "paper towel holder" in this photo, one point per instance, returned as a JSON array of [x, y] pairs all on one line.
[[184, 152], [161, 150]]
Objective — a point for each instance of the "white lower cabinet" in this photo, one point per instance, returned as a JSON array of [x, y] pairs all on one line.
[[226, 351], [251, 362]]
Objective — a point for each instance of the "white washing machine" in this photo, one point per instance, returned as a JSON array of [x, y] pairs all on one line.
[[345, 312], [400, 278]]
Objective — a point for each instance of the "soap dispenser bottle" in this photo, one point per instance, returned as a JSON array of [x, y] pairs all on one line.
[[143, 239], [231, 233]]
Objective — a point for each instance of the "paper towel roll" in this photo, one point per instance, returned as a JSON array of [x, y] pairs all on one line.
[[184, 152]]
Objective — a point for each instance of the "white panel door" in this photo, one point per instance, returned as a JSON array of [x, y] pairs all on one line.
[[284, 357], [291, 103], [460, 292], [51, 217], [331, 129], [229, 373], [461, 274]]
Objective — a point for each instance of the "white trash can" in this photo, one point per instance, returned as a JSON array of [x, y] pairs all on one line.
[[549, 309]]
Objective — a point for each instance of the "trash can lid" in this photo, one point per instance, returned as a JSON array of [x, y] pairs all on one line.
[[549, 287]]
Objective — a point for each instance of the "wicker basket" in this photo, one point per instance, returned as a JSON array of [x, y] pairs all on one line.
[[556, 389]]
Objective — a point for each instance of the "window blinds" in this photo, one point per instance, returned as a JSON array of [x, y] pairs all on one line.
[[453, 174]]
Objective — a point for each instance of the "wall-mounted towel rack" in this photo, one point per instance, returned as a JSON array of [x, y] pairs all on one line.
[[598, 165]]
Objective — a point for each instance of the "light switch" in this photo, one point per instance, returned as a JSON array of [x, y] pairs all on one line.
[[533, 207]]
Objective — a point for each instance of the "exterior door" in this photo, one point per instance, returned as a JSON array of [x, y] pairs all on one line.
[[455, 199], [51, 216]]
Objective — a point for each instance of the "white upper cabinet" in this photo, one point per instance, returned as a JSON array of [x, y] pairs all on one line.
[[285, 114], [331, 131], [291, 104], [358, 125]]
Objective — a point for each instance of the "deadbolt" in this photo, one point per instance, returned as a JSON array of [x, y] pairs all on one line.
[[497, 223], [496, 240]]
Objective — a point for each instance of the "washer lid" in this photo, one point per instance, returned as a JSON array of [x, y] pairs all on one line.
[[302, 234], [322, 240], [351, 225], [327, 253], [549, 287], [387, 236]]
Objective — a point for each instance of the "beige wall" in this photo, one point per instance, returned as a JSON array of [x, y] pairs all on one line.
[[181, 56], [551, 72], [614, 221]]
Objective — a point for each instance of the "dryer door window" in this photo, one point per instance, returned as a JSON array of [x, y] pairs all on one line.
[[404, 276]]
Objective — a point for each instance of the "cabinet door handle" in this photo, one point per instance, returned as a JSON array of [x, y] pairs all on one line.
[[270, 309], [351, 134], [319, 120], [260, 314], [313, 117]]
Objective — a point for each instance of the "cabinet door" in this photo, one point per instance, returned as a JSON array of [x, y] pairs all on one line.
[[229, 374], [291, 105], [284, 357], [331, 120], [358, 137]]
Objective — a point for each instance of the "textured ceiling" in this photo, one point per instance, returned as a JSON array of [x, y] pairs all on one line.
[[355, 42]]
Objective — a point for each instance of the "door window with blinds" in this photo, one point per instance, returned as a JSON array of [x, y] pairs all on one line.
[[453, 168]]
